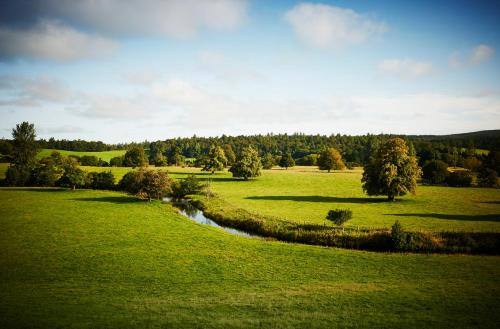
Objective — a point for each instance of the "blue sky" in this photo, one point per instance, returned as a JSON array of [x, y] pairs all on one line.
[[122, 71]]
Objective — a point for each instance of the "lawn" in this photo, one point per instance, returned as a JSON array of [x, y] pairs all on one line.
[[305, 194], [95, 259], [105, 155]]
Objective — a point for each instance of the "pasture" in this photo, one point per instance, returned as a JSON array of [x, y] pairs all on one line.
[[305, 194], [88, 259], [105, 155]]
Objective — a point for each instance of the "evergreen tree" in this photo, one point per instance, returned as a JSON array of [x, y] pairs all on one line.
[[287, 161]]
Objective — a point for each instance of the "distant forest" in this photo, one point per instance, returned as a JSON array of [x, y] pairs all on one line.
[[355, 149]]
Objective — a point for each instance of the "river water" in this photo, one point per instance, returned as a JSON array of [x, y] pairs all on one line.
[[188, 210]]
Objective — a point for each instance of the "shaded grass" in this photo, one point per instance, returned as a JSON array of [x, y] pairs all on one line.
[[82, 264]]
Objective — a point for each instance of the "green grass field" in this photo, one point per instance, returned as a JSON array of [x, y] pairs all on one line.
[[95, 259], [105, 155], [305, 194]]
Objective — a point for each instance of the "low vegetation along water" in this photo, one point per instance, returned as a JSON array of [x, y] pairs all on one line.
[[188, 210]]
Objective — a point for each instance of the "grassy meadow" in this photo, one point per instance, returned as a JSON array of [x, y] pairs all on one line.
[[96, 259], [105, 155], [305, 194]]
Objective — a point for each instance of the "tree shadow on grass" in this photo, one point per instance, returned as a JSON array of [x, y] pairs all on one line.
[[490, 202], [478, 218], [318, 198], [203, 176], [109, 199]]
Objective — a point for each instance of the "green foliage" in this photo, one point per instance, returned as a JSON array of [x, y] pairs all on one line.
[[216, 160], [392, 171], [116, 161], [268, 161], [48, 171], [488, 178], [146, 183], [308, 160], [287, 161], [330, 159], [339, 216], [89, 160], [459, 179], [100, 180], [229, 153], [24, 150], [177, 159], [248, 164], [73, 176], [135, 157], [435, 172], [186, 186]]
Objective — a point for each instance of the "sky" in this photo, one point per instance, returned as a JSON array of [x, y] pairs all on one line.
[[125, 70]]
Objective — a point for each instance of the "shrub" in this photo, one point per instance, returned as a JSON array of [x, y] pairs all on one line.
[[116, 162], [89, 160], [100, 180], [459, 179], [435, 172], [339, 216], [488, 178], [189, 185], [147, 183], [398, 236]]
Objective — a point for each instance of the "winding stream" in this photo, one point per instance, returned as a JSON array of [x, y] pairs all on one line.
[[188, 210]]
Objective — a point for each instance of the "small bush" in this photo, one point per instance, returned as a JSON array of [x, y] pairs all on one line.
[[147, 183], [189, 185], [339, 216]]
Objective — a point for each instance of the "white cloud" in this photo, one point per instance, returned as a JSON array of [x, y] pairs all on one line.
[[478, 55], [114, 107], [325, 26], [405, 68], [51, 40], [143, 77], [174, 18], [25, 92], [481, 53]]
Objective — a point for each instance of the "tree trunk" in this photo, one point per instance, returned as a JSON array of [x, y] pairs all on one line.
[[390, 197], [328, 170], [73, 188]]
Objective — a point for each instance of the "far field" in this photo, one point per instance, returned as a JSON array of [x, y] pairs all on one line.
[[305, 194], [105, 155], [96, 259]]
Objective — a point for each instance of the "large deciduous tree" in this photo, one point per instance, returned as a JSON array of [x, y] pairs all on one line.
[[330, 159], [135, 157], [392, 171], [247, 165], [24, 150], [216, 160]]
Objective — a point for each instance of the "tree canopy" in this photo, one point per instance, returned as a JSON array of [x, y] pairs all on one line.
[[216, 160], [330, 159], [247, 165], [391, 171]]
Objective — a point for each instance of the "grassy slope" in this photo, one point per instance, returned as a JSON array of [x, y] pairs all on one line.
[[93, 259], [105, 155]]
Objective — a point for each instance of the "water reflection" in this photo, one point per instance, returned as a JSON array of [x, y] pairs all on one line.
[[193, 213]]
